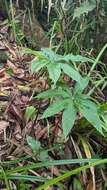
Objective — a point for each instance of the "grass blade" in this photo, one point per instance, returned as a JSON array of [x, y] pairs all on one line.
[[70, 173], [49, 164]]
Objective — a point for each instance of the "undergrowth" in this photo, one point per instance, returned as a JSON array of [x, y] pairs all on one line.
[[72, 104]]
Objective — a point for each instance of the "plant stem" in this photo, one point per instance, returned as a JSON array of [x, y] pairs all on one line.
[[97, 59]]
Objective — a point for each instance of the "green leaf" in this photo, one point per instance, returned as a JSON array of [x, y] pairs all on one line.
[[71, 72], [68, 119], [34, 144], [70, 173], [36, 65], [38, 54], [50, 54], [75, 75], [90, 111], [103, 107], [44, 155], [5, 178], [30, 112], [10, 71], [52, 93], [85, 7], [49, 164], [76, 58], [27, 178], [54, 72], [77, 184], [79, 88], [55, 108]]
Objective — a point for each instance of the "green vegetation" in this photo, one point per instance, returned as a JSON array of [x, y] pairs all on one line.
[[53, 129]]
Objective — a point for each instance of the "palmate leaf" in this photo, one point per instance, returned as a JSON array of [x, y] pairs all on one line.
[[55, 108], [90, 112], [55, 63], [85, 7], [68, 119]]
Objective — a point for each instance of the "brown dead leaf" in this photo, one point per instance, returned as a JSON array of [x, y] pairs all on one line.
[[12, 52], [2, 72], [17, 111], [16, 70], [19, 72], [54, 170], [41, 133], [4, 77], [90, 185], [17, 132], [3, 125], [11, 65], [4, 30]]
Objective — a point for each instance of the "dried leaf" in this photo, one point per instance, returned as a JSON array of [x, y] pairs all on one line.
[[3, 125]]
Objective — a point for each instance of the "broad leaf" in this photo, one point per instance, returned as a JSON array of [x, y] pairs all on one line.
[[36, 65], [38, 54], [75, 75], [55, 108], [30, 112], [44, 155], [50, 54], [79, 88], [77, 184], [85, 7], [54, 72], [68, 119], [76, 58], [90, 112], [52, 93], [103, 107], [71, 72], [34, 144]]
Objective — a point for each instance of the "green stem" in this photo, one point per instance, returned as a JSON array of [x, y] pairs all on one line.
[[97, 59], [5, 179]]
